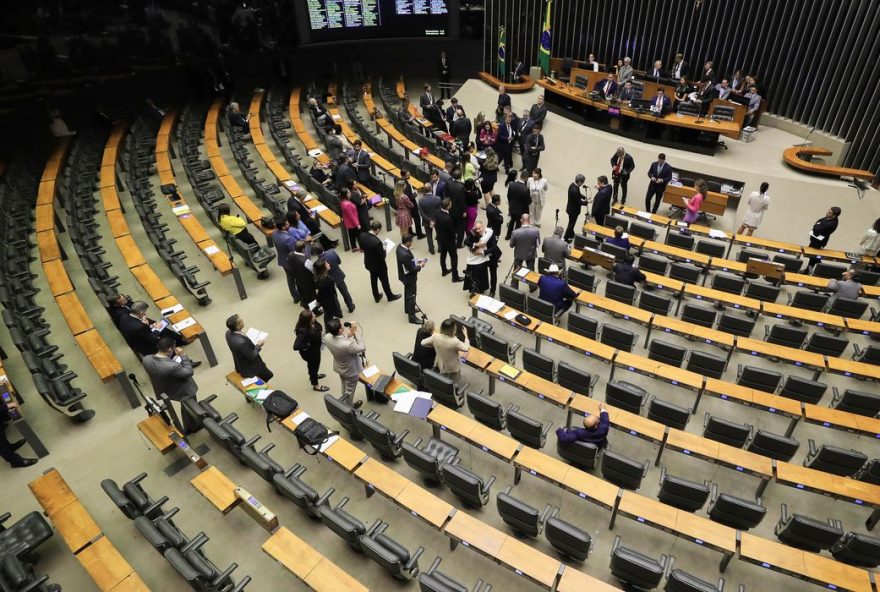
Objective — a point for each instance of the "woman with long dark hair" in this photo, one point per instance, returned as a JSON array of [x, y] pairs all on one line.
[[308, 343], [326, 291], [759, 201]]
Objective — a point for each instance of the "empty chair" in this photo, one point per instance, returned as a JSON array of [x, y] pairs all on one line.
[[26, 534], [617, 338], [290, 485], [540, 309], [523, 428], [868, 278], [758, 378], [827, 345], [846, 307], [613, 221], [583, 325], [680, 240], [698, 315], [619, 253], [345, 414], [674, 416], [685, 272], [801, 389], [859, 402], [495, 346], [735, 512], [809, 300], [408, 369], [468, 487], [487, 411], [870, 473], [681, 493], [584, 455], [792, 264], [572, 377], [390, 554], [711, 248], [625, 395], [444, 389], [835, 460], [869, 355], [763, 292], [539, 364], [428, 459], [620, 292], [643, 231], [711, 365], [681, 581], [668, 353], [653, 264], [380, 437], [728, 432], [132, 500], [471, 326], [585, 242], [725, 282], [806, 533], [435, 580], [631, 567], [570, 541], [857, 549], [828, 270], [655, 303], [346, 526], [746, 254], [622, 471], [581, 279], [773, 445], [520, 516], [736, 324], [785, 335], [259, 461]]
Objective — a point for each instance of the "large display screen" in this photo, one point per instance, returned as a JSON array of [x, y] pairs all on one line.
[[343, 20]]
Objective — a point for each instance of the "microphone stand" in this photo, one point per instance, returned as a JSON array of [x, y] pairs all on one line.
[[807, 137]]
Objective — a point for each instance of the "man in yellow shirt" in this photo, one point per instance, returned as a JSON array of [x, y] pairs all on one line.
[[234, 225]]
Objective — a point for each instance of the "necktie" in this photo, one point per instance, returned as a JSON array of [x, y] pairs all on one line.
[[659, 101], [607, 86]]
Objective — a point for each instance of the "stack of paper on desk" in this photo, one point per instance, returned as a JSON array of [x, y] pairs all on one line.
[[490, 304], [404, 401]]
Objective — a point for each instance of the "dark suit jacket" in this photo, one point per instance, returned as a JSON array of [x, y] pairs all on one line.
[[374, 252], [407, 270], [305, 279], [335, 262], [138, 336], [503, 101], [361, 160], [534, 143], [664, 172], [628, 165], [666, 104], [518, 199], [602, 201], [175, 379], [461, 128], [445, 229], [682, 72], [627, 94], [524, 128], [537, 114], [456, 192], [600, 86], [425, 101], [443, 71], [245, 354], [505, 138], [441, 189], [494, 219], [344, 176], [575, 200], [518, 70]]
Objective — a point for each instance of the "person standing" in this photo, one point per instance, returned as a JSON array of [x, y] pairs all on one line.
[[445, 228], [333, 142], [503, 101], [538, 186], [504, 140], [487, 136], [374, 261], [534, 146], [347, 352], [300, 263], [408, 268], [325, 290], [622, 165], [8, 450], [448, 349], [538, 111], [753, 107], [518, 199], [489, 175], [428, 205], [410, 192], [626, 71], [524, 241], [692, 206], [404, 217], [759, 201], [426, 99], [555, 249], [602, 200], [308, 343], [334, 261], [171, 372], [573, 205], [284, 244], [494, 217], [246, 353], [360, 160], [870, 243], [660, 174], [350, 220], [443, 75], [822, 231], [363, 206], [456, 192], [477, 270], [679, 67]]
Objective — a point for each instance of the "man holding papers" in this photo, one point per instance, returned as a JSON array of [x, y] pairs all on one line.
[[408, 268], [141, 334], [246, 349]]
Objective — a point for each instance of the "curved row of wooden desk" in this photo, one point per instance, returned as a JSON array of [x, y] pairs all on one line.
[[799, 157], [426, 126]]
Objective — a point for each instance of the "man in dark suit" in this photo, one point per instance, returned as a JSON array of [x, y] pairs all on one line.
[[518, 70], [245, 353], [538, 112], [7, 448], [622, 165], [171, 372], [334, 263], [626, 273], [627, 93], [602, 200], [456, 192], [607, 87], [360, 160], [444, 226], [408, 268], [426, 99], [120, 307], [709, 72], [461, 128], [437, 185], [284, 243], [518, 200], [524, 126], [374, 261], [503, 101], [300, 264], [656, 72], [451, 109], [344, 174], [660, 173], [573, 205], [494, 217], [533, 146], [140, 334], [660, 104], [411, 194], [679, 67], [434, 114], [443, 75], [504, 142]]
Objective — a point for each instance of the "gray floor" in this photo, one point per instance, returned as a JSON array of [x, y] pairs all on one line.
[[111, 446]]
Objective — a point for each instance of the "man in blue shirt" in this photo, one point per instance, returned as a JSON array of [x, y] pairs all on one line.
[[298, 229], [555, 290], [284, 244], [595, 430]]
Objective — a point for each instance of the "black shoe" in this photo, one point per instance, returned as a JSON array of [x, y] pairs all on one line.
[[351, 309], [296, 301], [196, 363], [414, 320], [16, 445], [432, 251], [421, 236], [357, 404], [377, 298], [455, 280], [334, 244], [394, 297], [446, 272], [23, 462], [320, 376]]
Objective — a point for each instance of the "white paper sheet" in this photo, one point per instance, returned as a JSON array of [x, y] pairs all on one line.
[[330, 441], [256, 335], [522, 272], [315, 152], [370, 372], [389, 245], [249, 381], [212, 250], [187, 322], [510, 315], [171, 310], [318, 208], [645, 215], [300, 417], [403, 401], [490, 304], [262, 394], [713, 233], [180, 210]]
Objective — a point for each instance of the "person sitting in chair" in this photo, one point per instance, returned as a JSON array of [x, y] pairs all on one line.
[[555, 290], [595, 430]]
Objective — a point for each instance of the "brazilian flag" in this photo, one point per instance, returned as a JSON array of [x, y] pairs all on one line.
[[546, 42], [502, 54]]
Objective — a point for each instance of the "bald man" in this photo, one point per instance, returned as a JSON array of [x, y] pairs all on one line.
[[595, 430]]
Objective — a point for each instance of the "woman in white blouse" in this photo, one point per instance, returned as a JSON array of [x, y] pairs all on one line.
[[538, 192], [870, 243], [758, 202]]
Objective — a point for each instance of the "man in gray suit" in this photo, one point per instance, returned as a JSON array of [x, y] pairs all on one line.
[[524, 241], [347, 351], [429, 205], [555, 249], [171, 372]]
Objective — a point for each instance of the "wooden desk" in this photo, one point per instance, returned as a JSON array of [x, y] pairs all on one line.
[[150, 282], [424, 504], [827, 573], [52, 492], [573, 580], [309, 565], [345, 454], [76, 316], [156, 431], [590, 487], [376, 476], [47, 244], [216, 488], [706, 532], [541, 465], [449, 420], [75, 525], [771, 555], [45, 217], [799, 477], [106, 566], [648, 511], [514, 87], [133, 583], [131, 253], [798, 157], [474, 533], [100, 356], [118, 225], [529, 562], [56, 275]]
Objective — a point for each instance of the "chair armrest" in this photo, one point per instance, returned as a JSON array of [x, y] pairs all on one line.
[[267, 448], [857, 351], [373, 528], [155, 505], [645, 467], [706, 417], [507, 490], [414, 560], [545, 513], [170, 513], [596, 286], [713, 493], [488, 484], [417, 443], [242, 584], [766, 332], [194, 545], [3, 519], [251, 441], [783, 515], [372, 415], [325, 497], [223, 575], [666, 562], [835, 395], [813, 449], [615, 544], [400, 438], [546, 429], [662, 475]]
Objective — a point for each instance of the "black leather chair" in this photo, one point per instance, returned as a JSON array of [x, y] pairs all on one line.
[[857, 549], [390, 554], [643, 231], [444, 389], [668, 353], [541, 309], [735, 512], [613, 221], [289, 484], [853, 401], [736, 324], [583, 455], [725, 282], [685, 272], [131, 499], [698, 315], [582, 279], [744, 255], [500, 348], [622, 471], [428, 459], [520, 516], [346, 526], [809, 300], [653, 264], [827, 345], [407, 369], [345, 414], [539, 364], [803, 532], [711, 365], [792, 264], [655, 303], [570, 542], [682, 493], [620, 292], [26, 533], [680, 240], [259, 461], [585, 242], [434, 580], [834, 460], [728, 432], [773, 445], [785, 335], [381, 437], [524, 429], [487, 411], [618, 338], [565, 69], [678, 580], [758, 378], [637, 570], [583, 325], [870, 472], [711, 248], [869, 355], [674, 416], [762, 292], [571, 377], [801, 389], [625, 395], [828, 270], [468, 487]]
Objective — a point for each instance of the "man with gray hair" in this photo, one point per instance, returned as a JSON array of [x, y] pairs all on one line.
[[555, 249], [524, 241], [140, 333], [626, 71], [246, 353]]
